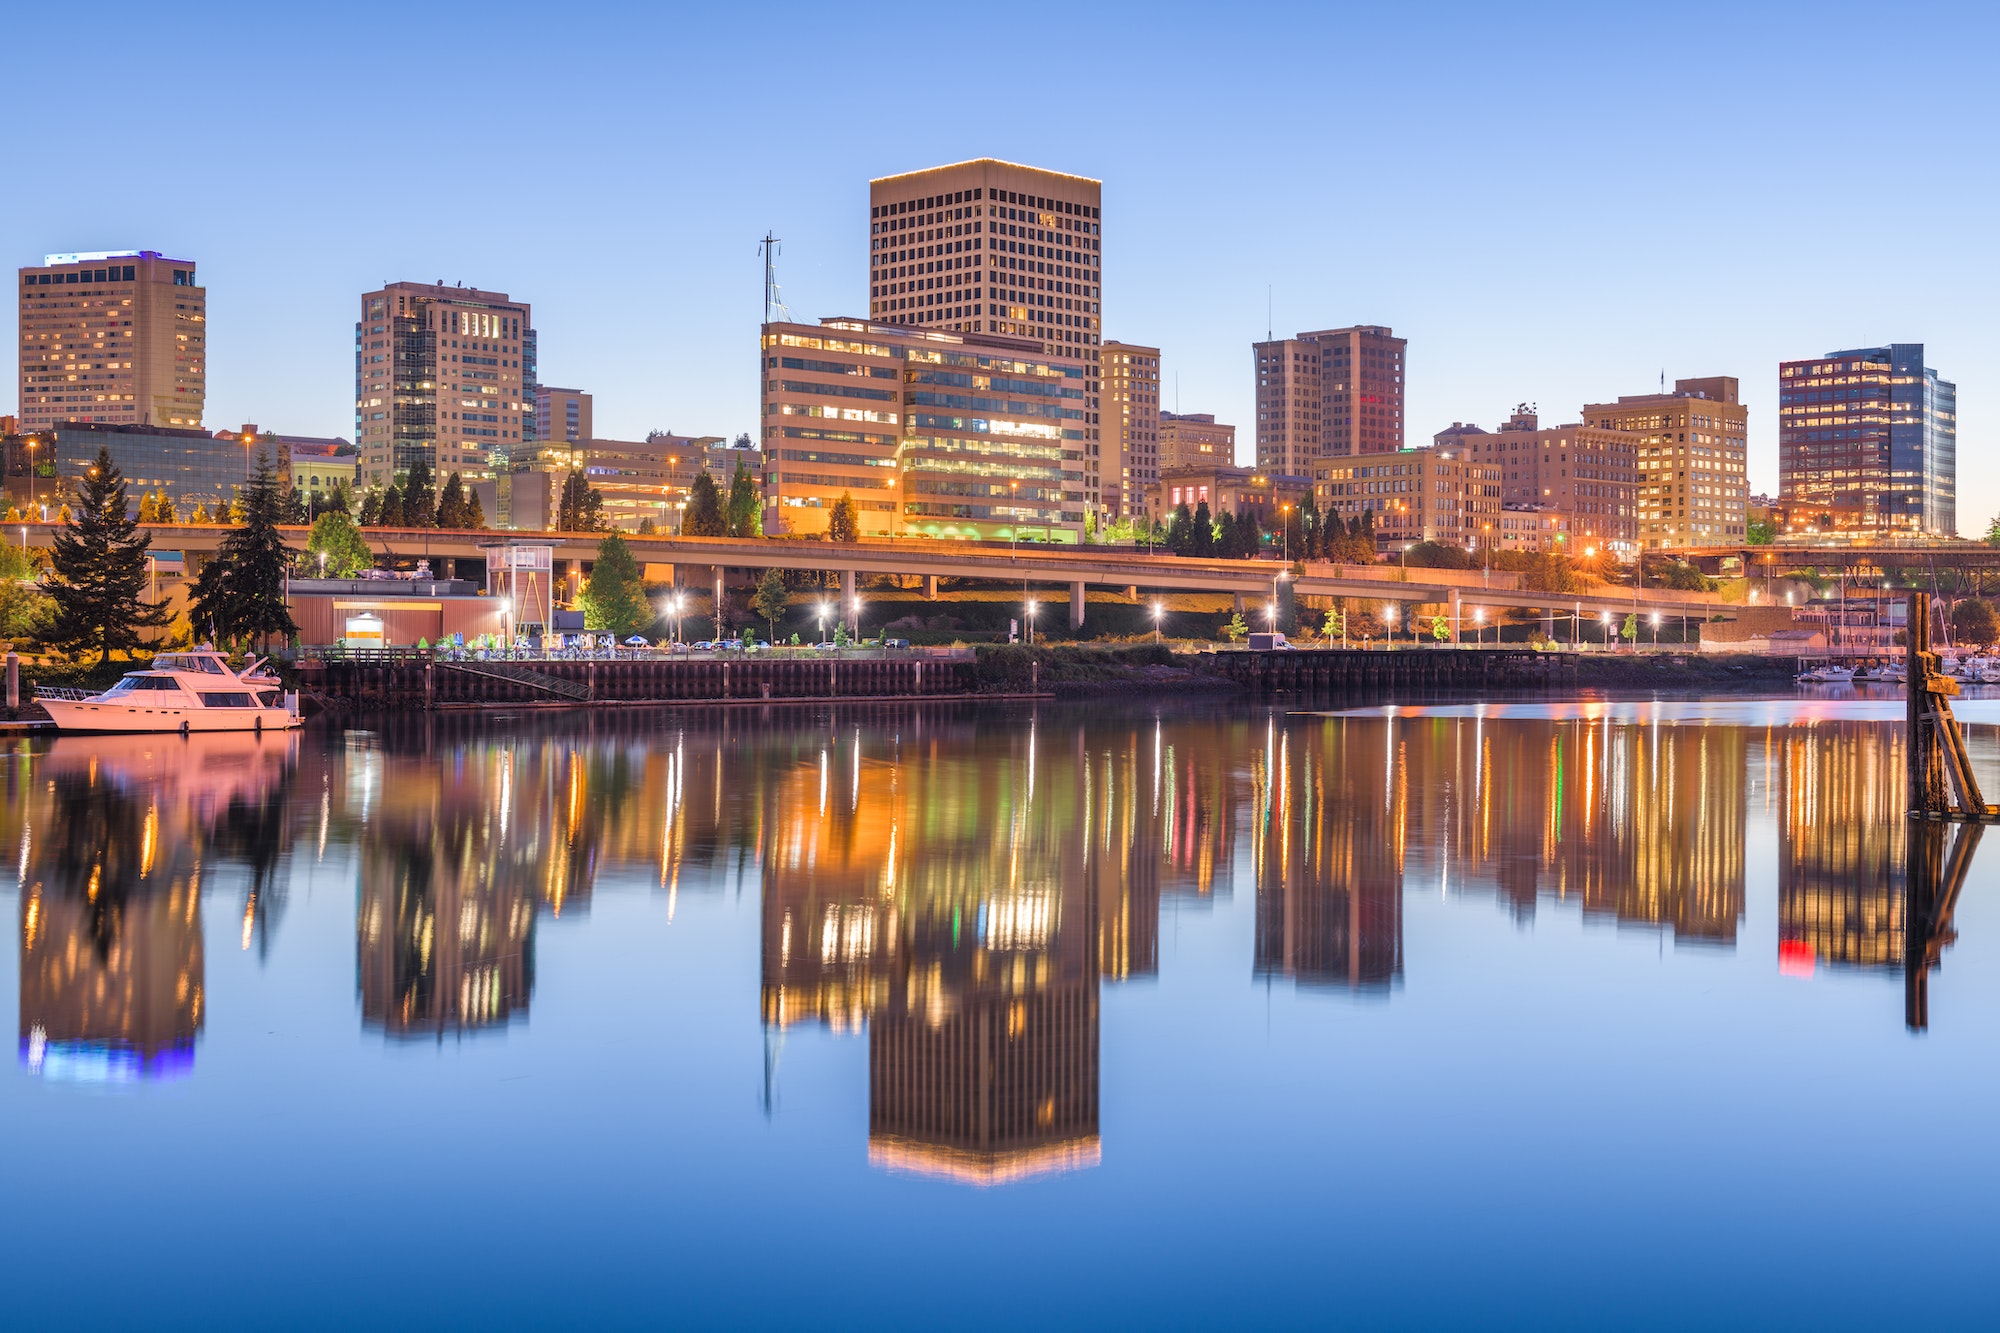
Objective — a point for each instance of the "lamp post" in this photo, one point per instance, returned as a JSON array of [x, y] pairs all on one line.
[[1159, 609], [1487, 528], [1389, 622], [1479, 626], [1031, 624], [1656, 629], [823, 609], [34, 478], [322, 564], [1605, 619], [1285, 524]]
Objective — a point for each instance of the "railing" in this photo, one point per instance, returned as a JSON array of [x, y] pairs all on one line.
[[64, 693]]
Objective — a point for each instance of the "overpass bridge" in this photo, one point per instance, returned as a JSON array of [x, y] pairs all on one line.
[[1075, 568], [1777, 559]]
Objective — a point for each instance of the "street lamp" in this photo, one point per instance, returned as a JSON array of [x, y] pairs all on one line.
[[1605, 619], [1656, 629], [1285, 523], [1389, 619], [322, 564], [824, 610], [1031, 624], [1479, 623], [1159, 609], [1487, 528]]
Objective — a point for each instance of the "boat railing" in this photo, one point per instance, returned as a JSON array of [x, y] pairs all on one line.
[[63, 693]]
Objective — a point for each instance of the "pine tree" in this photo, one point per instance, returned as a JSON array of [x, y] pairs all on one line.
[[392, 508], [201, 516], [1202, 539], [704, 517], [580, 508], [475, 512], [148, 511], [648, 528], [844, 523], [746, 506], [164, 507], [371, 509], [336, 499], [420, 496], [614, 598], [99, 563], [247, 598], [451, 503]]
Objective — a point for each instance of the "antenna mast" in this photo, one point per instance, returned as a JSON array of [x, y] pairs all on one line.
[[773, 302]]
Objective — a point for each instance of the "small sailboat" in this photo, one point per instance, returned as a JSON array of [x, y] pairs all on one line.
[[1827, 673]]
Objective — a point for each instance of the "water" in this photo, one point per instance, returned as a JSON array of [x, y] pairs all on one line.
[[1531, 1014]]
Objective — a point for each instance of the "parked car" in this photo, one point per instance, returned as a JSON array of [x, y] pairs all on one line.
[[895, 643], [704, 647]]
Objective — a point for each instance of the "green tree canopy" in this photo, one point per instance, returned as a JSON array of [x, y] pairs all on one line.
[[579, 508], [771, 599], [452, 508], [371, 509], [346, 550], [1973, 622], [420, 496], [99, 566], [843, 524], [246, 598], [391, 513], [614, 598], [746, 504], [703, 516]]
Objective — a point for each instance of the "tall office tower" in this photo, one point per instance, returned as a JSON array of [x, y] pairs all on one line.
[[562, 416], [443, 375], [1132, 441], [1195, 439], [119, 337], [993, 247], [1693, 458], [1331, 393], [1870, 436]]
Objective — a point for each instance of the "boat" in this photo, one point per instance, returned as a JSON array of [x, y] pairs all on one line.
[[1885, 673], [1827, 674], [184, 692]]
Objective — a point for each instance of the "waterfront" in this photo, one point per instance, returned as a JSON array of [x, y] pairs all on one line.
[[888, 1014]]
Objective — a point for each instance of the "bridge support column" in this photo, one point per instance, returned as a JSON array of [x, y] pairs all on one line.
[[847, 607], [1132, 592], [1237, 604], [930, 587], [1453, 600], [1076, 603]]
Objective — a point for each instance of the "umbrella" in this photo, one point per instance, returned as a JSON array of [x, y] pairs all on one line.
[[635, 642]]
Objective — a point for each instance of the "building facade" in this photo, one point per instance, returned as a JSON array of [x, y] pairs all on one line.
[[1332, 393], [1693, 483], [191, 466], [959, 435], [116, 338], [1195, 439], [1131, 433], [1272, 498], [1869, 438], [1585, 471], [650, 478], [562, 415], [442, 375], [1419, 495]]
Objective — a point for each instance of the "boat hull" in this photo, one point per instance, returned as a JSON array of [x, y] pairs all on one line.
[[118, 716]]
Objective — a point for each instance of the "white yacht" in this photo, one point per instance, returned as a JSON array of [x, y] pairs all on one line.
[[184, 692], [1827, 673]]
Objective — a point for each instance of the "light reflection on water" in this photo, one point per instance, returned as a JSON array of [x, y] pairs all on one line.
[[941, 939]]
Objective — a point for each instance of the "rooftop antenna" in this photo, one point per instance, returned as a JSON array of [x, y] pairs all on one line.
[[1663, 379], [772, 300], [1269, 323]]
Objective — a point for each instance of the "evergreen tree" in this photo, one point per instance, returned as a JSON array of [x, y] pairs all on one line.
[[201, 515], [843, 524], [614, 598], [1180, 531], [475, 512], [648, 528], [347, 551], [164, 507], [420, 496], [337, 499], [1225, 535], [704, 517], [580, 508], [451, 508], [392, 515], [746, 505], [148, 511], [371, 509], [99, 563], [247, 597], [771, 599], [1202, 539], [293, 507]]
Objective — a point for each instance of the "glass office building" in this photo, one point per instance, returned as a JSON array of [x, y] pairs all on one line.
[[1869, 439]]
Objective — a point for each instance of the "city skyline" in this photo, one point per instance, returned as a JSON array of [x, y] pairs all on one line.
[[1528, 299]]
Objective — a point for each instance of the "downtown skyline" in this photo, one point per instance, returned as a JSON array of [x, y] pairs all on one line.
[[1505, 239]]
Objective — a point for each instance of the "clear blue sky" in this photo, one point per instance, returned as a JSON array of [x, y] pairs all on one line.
[[1553, 203]]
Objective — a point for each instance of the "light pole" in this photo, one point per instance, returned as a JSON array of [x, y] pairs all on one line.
[[1285, 523], [1656, 629], [823, 609], [1487, 528], [1389, 621], [1031, 624], [1606, 620], [322, 564], [1479, 626], [1159, 609]]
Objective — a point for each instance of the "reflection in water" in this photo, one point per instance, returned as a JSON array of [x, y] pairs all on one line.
[[113, 852], [957, 882]]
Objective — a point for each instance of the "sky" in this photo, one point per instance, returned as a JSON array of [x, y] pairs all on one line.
[[1555, 204]]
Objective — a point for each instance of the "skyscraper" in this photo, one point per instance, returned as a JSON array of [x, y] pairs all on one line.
[[114, 337], [1329, 394], [1692, 483], [1870, 436], [562, 415], [444, 375], [1131, 460]]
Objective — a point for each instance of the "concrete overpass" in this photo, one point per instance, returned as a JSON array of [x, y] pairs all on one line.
[[1074, 568], [1779, 559]]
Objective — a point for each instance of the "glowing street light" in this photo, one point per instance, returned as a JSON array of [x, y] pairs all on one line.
[[1031, 623], [1479, 623], [1656, 629], [1159, 610]]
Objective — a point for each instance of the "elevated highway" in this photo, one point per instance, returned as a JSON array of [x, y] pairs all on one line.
[[1074, 569]]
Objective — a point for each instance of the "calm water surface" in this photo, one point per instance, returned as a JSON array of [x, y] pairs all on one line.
[[1534, 1014]]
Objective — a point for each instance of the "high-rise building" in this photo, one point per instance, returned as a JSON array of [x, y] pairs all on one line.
[[1195, 439], [562, 415], [994, 247], [1445, 494], [116, 337], [1131, 435], [1693, 459], [900, 420], [442, 375], [1870, 436], [1331, 393]]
